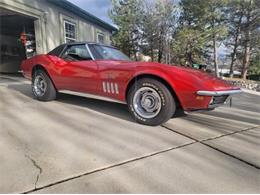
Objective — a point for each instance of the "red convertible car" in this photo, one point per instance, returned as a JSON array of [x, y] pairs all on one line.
[[154, 92]]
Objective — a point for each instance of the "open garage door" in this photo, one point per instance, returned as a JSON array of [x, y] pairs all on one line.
[[17, 40]]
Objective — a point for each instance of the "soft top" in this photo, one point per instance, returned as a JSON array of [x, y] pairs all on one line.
[[58, 50]]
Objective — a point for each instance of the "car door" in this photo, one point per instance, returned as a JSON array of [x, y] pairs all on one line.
[[113, 73], [79, 72], [113, 76]]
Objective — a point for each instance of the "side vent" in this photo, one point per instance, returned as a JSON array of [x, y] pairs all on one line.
[[110, 87]]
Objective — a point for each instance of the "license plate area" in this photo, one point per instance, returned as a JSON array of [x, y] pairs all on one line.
[[217, 100]]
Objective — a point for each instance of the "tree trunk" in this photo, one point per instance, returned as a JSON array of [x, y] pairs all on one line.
[[128, 46], [135, 52], [152, 54], [160, 56], [233, 58], [247, 43], [233, 55], [215, 55], [189, 56], [160, 48], [246, 55]]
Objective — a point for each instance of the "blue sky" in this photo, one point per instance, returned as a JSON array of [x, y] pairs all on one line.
[[98, 8]]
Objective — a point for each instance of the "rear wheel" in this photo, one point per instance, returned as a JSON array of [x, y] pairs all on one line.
[[150, 102], [42, 86]]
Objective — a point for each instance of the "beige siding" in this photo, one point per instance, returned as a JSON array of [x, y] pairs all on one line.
[[49, 24]]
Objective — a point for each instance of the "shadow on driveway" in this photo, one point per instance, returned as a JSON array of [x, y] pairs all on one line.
[[108, 108], [121, 111]]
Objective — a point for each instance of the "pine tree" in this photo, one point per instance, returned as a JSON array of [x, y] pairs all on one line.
[[205, 21], [158, 25], [127, 15], [235, 15], [250, 25]]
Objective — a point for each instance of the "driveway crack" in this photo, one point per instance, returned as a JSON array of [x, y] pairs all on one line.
[[194, 141], [110, 167], [37, 167], [203, 141]]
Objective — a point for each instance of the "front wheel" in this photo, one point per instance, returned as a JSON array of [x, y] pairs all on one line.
[[42, 86], [150, 102]]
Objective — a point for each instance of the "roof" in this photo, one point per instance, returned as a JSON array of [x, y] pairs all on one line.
[[57, 51], [82, 13]]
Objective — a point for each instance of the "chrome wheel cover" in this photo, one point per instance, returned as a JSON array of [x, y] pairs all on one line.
[[147, 102], [39, 85]]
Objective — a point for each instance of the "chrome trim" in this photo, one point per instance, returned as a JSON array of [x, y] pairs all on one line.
[[147, 102], [104, 87], [87, 95], [90, 53], [116, 88], [219, 93], [39, 85]]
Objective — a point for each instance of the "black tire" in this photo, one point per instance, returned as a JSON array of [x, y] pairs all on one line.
[[167, 108], [50, 92]]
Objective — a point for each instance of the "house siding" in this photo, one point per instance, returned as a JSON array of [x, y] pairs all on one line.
[[49, 30]]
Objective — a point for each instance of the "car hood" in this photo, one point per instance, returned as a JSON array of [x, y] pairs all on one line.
[[209, 81]]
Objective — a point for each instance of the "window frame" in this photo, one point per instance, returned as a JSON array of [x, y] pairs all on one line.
[[64, 29], [100, 34]]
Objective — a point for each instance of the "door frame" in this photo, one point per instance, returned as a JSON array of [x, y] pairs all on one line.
[[39, 22]]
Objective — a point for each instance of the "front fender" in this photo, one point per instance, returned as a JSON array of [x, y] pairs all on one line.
[[156, 73], [184, 86]]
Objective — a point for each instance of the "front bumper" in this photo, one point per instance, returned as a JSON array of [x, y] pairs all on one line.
[[219, 93], [218, 98]]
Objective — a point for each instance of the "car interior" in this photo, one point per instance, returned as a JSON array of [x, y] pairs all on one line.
[[76, 53]]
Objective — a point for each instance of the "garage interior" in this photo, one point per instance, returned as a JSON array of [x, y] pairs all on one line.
[[17, 40]]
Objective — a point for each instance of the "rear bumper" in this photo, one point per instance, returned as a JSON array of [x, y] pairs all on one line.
[[218, 98]]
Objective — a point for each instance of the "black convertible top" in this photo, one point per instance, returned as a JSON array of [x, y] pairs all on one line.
[[58, 50]]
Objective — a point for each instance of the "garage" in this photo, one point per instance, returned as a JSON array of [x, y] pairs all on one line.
[[30, 27], [17, 40]]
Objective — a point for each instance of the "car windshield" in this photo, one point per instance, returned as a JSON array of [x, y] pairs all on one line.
[[107, 53]]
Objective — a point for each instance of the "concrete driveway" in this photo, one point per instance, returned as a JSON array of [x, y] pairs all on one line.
[[82, 145]]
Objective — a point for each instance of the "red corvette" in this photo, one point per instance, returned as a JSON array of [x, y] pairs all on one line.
[[154, 92]]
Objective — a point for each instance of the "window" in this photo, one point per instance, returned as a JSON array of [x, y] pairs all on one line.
[[107, 53], [100, 38], [76, 53], [69, 31], [110, 39]]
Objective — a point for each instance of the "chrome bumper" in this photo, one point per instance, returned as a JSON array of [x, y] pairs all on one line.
[[219, 98], [219, 93]]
